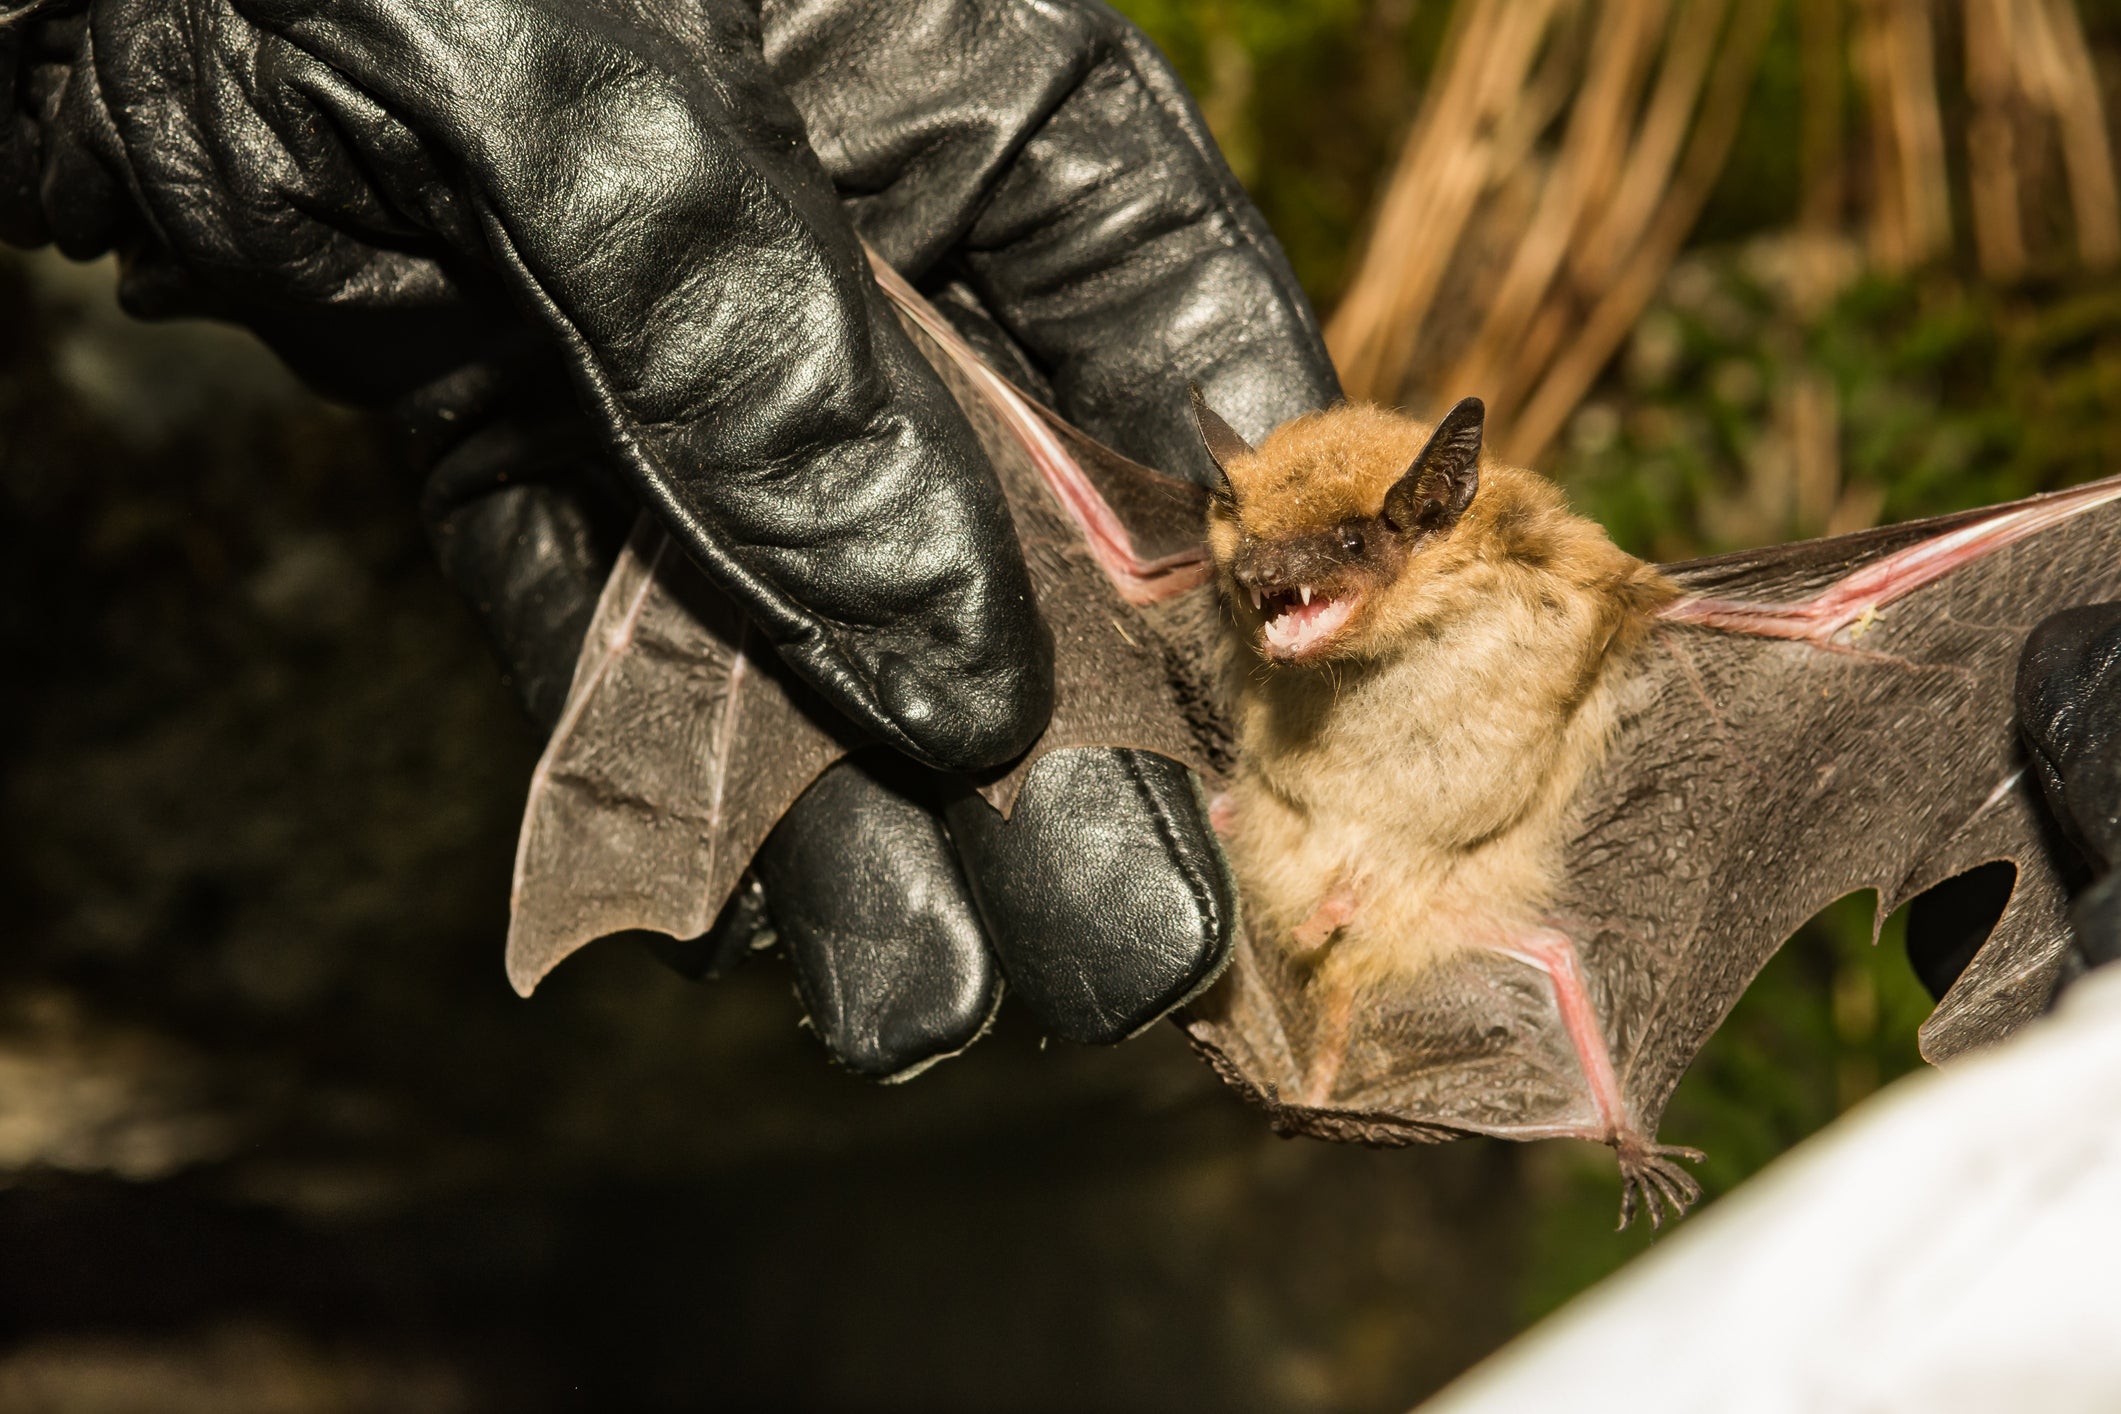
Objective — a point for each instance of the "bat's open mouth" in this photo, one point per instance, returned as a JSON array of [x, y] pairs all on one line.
[[1301, 619]]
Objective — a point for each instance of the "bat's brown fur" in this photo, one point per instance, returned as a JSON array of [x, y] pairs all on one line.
[[1401, 789]]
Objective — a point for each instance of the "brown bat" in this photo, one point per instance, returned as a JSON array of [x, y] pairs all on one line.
[[1516, 817]]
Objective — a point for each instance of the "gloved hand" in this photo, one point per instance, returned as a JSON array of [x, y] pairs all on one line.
[[601, 255], [2069, 710]]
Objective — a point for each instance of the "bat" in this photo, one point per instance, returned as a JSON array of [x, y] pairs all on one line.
[[1679, 764]]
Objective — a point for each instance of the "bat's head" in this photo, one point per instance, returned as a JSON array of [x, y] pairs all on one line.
[[1321, 530]]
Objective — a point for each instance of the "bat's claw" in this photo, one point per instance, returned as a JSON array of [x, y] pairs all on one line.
[[1650, 1171]]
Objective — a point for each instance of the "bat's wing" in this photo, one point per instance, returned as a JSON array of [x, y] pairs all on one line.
[[1475, 1046], [1759, 777], [684, 739], [653, 792], [1812, 720]]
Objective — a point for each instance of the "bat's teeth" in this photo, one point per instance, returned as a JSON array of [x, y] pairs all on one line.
[[1255, 598], [1305, 590]]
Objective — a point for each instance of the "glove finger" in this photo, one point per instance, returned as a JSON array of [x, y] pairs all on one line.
[[2096, 919], [2069, 711], [1123, 255], [1105, 894], [523, 528], [650, 200], [1055, 153], [868, 899]]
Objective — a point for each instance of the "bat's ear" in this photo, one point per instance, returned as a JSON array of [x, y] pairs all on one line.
[[1224, 445], [1438, 487]]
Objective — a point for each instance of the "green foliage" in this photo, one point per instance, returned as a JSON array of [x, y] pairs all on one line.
[[1762, 178], [1946, 393]]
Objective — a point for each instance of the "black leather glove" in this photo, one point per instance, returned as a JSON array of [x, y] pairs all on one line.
[[2069, 709], [601, 254]]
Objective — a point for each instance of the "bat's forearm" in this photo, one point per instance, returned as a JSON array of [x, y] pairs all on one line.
[[1850, 601]]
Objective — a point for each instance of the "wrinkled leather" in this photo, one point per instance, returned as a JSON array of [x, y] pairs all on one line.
[[2069, 712], [1047, 156], [384, 191], [893, 968], [1117, 836], [457, 212]]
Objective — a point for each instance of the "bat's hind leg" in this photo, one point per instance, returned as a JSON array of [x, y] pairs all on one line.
[[1648, 1170], [1329, 1044], [1335, 992]]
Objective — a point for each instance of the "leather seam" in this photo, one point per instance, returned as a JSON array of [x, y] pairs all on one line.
[[1206, 907]]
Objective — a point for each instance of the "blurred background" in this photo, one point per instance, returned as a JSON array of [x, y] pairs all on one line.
[[275, 1135]]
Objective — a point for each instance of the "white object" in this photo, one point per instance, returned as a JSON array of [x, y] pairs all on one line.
[[1954, 1245]]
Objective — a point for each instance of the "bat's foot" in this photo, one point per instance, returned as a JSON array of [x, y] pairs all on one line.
[[1648, 1170], [1651, 1172]]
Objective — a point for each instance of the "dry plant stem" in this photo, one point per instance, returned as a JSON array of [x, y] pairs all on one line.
[[1448, 162], [1887, 233], [2027, 57], [2071, 88], [1815, 443], [1227, 103], [1423, 209], [1591, 151], [1918, 127], [1992, 173], [1655, 153], [1911, 213], [1555, 322], [1617, 310], [1610, 232], [1820, 42]]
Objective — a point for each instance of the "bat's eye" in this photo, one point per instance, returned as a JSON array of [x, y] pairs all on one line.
[[1351, 540]]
